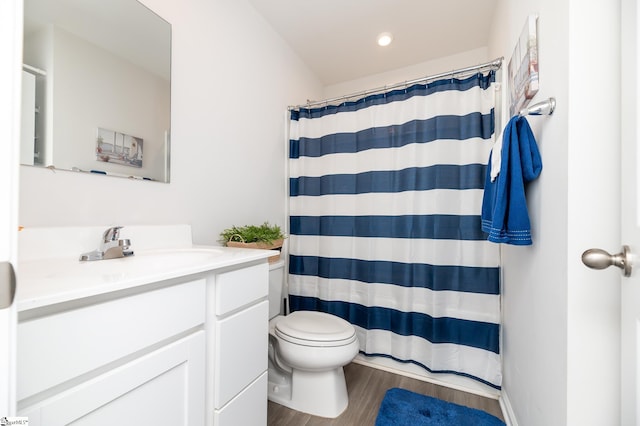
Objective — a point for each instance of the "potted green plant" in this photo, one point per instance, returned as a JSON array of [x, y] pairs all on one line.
[[265, 236]]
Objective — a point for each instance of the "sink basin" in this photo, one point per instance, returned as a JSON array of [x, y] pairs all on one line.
[[179, 256]]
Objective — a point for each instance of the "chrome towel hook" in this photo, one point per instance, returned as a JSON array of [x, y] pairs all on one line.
[[541, 108]]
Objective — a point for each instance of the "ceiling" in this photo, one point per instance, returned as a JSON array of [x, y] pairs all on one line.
[[337, 38]]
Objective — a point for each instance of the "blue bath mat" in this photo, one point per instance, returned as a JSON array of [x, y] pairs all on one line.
[[401, 407]]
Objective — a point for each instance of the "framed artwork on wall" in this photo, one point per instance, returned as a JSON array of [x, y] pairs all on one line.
[[523, 67]]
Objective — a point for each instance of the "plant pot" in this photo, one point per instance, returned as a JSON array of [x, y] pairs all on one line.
[[275, 245]]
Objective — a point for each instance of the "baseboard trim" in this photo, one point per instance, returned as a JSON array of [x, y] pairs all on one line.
[[507, 410]]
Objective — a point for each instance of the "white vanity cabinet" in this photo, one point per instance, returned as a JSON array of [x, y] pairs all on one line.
[[128, 357], [175, 335], [237, 336]]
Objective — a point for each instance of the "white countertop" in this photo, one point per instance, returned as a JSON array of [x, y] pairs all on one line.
[[49, 280]]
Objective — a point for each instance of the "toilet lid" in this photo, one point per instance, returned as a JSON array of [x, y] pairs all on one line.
[[315, 329]]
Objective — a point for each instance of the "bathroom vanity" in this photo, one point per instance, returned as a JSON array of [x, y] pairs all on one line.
[[168, 336]]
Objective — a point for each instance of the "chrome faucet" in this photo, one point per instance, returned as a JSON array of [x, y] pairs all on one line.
[[111, 246]]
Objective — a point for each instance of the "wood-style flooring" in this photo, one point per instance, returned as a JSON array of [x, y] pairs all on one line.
[[366, 387]]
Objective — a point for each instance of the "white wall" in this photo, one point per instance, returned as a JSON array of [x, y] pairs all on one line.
[[227, 167], [424, 69], [561, 320]]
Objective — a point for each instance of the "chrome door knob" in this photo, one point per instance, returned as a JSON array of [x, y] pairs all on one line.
[[599, 259]]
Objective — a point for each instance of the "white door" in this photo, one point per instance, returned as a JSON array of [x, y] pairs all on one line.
[[630, 203], [10, 88]]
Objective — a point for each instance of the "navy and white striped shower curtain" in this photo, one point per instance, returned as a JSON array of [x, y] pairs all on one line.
[[385, 201]]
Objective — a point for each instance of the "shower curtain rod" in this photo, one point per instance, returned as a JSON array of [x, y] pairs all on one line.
[[495, 64]]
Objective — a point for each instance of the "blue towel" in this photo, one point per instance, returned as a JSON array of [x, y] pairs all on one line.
[[504, 207]]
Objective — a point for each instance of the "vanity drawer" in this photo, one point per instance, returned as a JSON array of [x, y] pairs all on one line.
[[247, 408], [59, 347], [241, 351], [238, 288]]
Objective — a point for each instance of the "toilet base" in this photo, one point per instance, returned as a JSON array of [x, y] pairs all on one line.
[[319, 393]]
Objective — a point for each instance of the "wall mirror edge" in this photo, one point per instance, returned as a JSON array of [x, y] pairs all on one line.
[[119, 87]]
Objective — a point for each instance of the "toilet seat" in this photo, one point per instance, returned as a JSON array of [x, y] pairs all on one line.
[[311, 328]]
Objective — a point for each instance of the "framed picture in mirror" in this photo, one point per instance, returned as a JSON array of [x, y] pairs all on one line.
[[118, 148]]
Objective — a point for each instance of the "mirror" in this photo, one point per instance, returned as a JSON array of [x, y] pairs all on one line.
[[96, 88]]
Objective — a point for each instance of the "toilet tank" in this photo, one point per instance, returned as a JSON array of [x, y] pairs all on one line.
[[276, 283]]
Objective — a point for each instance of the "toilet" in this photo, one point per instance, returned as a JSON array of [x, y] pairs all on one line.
[[307, 351]]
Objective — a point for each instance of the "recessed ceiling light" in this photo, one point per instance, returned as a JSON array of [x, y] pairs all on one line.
[[385, 39]]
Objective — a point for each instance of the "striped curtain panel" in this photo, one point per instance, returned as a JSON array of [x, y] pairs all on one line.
[[385, 203]]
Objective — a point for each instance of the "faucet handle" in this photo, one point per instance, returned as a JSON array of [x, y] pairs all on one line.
[[111, 234]]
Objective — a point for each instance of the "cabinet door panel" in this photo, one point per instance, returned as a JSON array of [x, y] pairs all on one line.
[[241, 346], [163, 387]]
